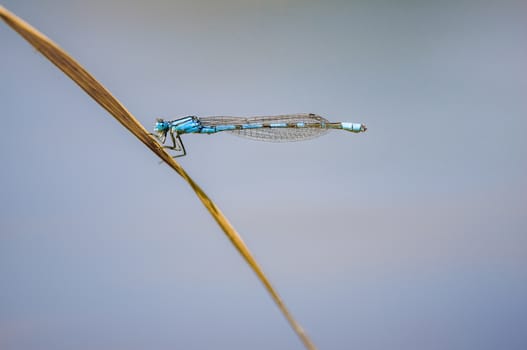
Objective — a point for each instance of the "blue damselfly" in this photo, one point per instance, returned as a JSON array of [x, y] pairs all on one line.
[[279, 128]]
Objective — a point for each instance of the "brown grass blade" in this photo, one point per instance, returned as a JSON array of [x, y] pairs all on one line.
[[100, 94]]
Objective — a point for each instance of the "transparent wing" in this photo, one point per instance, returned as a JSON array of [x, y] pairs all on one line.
[[280, 134], [313, 127]]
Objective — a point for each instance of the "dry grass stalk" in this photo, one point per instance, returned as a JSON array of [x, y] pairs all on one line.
[[100, 94]]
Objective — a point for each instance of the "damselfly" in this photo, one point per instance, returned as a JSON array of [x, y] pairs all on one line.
[[279, 128]]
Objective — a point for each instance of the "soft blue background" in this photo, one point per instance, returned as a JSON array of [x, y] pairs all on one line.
[[412, 236]]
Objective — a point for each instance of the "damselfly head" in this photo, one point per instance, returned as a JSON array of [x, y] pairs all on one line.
[[161, 129]]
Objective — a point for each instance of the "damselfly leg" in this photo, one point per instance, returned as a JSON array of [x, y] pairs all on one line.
[[177, 145]]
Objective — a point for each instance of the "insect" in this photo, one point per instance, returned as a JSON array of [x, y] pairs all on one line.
[[279, 128]]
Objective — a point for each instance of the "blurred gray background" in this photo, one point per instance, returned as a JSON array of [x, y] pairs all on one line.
[[411, 236]]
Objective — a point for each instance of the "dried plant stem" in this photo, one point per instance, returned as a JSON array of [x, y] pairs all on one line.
[[100, 94]]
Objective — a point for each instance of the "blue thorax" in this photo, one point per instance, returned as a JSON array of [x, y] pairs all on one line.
[[186, 125]]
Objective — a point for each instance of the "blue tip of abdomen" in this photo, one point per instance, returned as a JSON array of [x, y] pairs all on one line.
[[353, 127]]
